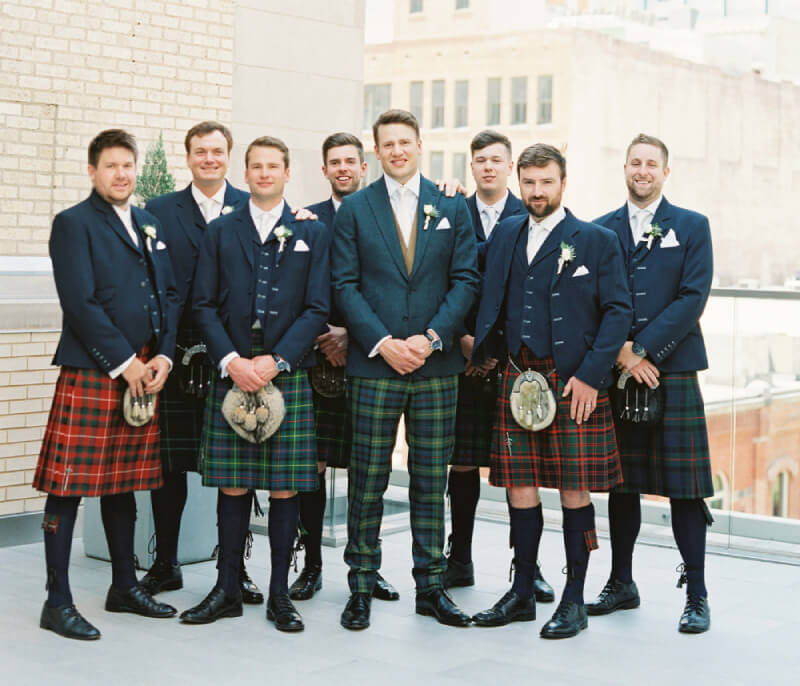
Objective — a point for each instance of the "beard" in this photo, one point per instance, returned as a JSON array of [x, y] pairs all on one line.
[[550, 206], [637, 194]]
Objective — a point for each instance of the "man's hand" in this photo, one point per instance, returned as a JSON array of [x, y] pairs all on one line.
[[399, 355], [626, 360], [265, 367], [301, 214], [646, 372], [584, 399], [420, 346], [451, 187], [244, 374], [137, 375], [334, 345], [158, 369], [467, 343]]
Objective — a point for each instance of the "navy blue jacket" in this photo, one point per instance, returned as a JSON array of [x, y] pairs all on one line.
[[670, 285], [326, 213], [375, 293], [590, 314], [101, 278], [184, 227], [222, 301]]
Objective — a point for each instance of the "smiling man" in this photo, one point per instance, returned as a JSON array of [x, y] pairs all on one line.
[[405, 275]]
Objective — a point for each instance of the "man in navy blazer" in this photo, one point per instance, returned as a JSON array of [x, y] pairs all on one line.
[[184, 216], [116, 290], [554, 301], [491, 203], [669, 266], [404, 271]]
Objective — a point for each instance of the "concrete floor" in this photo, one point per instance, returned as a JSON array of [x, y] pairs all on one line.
[[755, 635]]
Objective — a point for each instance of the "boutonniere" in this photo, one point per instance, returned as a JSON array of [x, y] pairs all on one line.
[[282, 234], [430, 212], [566, 256], [150, 232], [226, 210], [652, 233]]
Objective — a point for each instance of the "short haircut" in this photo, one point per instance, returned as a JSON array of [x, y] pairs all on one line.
[[336, 140], [395, 117], [268, 142], [540, 155], [111, 138], [203, 129], [648, 140], [486, 138]]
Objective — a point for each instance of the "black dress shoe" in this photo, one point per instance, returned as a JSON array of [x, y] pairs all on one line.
[[568, 619], [356, 613], [251, 595], [696, 617], [139, 602], [307, 583], [383, 590], [216, 605], [437, 603], [615, 596], [68, 622], [163, 576], [510, 608], [544, 591], [281, 611], [458, 574]]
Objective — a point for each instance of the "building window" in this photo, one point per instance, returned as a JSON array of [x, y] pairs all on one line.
[[414, 6], [436, 172], [462, 4], [374, 169], [415, 99], [460, 166], [544, 109], [519, 100], [437, 104], [377, 99], [493, 102], [461, 96], [780, 495]]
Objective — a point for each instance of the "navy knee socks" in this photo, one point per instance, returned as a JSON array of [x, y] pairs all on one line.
[[526, 532], [580, 538], [282, 526], [624, 521], [689, 524], [168, 503], [58, 524], [464, 489], [119, 521], [233, 520], [312, 512]]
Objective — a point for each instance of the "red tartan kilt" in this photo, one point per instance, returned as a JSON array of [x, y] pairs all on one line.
[[88, 448], [565, 455]]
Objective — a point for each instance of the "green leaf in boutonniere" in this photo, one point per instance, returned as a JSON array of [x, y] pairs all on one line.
[[652, 233], [566, 256], [430, 212], [282, 234]]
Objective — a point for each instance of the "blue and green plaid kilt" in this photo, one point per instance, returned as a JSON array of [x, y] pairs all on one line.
[[286, 461], [672, 458], [475, 413], [332, 423]]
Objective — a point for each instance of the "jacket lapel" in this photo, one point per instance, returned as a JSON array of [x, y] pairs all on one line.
[[189, 215], [378, 199], [429, 194], [562, 232], [113, 220], [245, 230]]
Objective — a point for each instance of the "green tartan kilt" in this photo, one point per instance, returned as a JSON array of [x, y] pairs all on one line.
[[670, 459], [181, 420], [475, 414], [333, 430]]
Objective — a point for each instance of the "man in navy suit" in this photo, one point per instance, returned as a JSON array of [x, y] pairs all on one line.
[[404, 269], [554, 301], [491, 203], [669, 266], [184, 216], [116, 290], [260, 299]]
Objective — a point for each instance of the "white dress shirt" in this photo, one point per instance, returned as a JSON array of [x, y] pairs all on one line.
[[211, 207], [404, 200], [539, 231], [489, 214], [641, 217], [336, 204]]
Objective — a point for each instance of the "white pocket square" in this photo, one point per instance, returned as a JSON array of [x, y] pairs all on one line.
[[581, 271], [161, 245], [301, 246], [670, 240], [444, 224]]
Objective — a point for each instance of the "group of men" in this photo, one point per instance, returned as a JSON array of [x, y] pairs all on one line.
[[406, 301]]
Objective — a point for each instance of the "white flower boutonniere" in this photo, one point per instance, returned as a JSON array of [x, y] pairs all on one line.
[[227, 209], [566, 256], [430, 212], [652, 233], [150, 232], [282, 234]]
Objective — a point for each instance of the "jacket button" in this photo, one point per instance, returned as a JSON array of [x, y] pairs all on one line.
[[143, 284], [145, 308]]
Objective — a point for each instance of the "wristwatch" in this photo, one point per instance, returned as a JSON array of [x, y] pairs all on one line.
[[638, 350], [280, 363], [436, 343]]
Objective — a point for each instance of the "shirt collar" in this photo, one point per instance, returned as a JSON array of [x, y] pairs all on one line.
[[412, 184], [218, 197], [258, 214], [498, 207], [336, 204], [633, 210], [124, 213], [549, 222]]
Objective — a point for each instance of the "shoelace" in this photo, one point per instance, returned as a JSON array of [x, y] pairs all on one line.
[[682, 579], [562, 610], [694, 603], [283, 604], [608, 590]]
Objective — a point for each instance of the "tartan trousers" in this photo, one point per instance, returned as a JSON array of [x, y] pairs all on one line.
[[376, 405]]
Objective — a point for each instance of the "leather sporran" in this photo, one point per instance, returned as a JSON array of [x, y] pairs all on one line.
[[533, 404], [637, 403], [138, 411], [194, 371], [254, 416], [327, 380]]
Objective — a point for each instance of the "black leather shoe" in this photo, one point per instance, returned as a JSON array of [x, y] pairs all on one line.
[[251, 595], [510, 608], [696, 617], [383, 590], [356, 613], [214, 606], [281, 611], [307, 583], [438, 603], [163, 576], [458, 574], [568, 619], [615, 596], [139, 602], [544, 591], [66, 621]]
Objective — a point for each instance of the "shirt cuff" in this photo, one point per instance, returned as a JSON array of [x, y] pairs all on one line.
[[114, 373], [223, 363], [169, 362], [374, 351]]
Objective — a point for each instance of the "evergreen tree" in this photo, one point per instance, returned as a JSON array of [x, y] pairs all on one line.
[[155, 179]]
